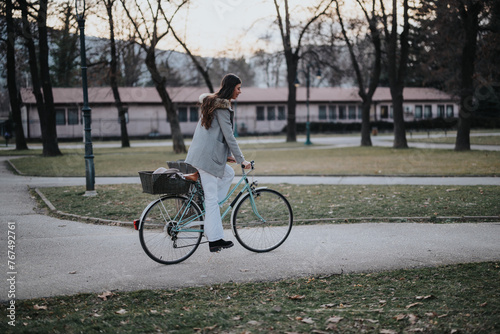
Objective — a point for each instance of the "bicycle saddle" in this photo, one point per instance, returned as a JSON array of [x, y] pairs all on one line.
[[192, 177]]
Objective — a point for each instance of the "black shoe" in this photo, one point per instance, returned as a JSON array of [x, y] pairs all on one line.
[[217, 246]]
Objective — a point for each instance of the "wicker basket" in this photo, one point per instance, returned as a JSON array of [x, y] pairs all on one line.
[[157, 184]]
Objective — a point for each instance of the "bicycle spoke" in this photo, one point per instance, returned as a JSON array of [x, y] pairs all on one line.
[[263, 221], [160, 235]]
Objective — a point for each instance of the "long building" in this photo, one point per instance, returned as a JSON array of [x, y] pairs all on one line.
[[258, 110]]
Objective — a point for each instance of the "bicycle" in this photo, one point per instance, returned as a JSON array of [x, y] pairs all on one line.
[[171, 227]]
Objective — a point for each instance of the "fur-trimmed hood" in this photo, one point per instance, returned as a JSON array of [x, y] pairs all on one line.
[[219, 103]]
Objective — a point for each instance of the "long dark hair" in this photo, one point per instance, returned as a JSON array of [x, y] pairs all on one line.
[[227, 85]]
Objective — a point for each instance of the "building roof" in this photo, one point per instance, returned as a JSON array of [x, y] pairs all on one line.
[[249, 95]]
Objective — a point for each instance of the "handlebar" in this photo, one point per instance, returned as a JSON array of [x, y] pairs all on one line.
[[252, 163]]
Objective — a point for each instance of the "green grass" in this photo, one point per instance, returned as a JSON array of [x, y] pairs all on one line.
[[450, 299], [474, 140], [330, 203], [284, 161]]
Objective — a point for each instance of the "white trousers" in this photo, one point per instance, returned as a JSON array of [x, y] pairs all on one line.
[[215, 190]]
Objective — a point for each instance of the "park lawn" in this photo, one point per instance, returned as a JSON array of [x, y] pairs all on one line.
[[310, 203], [459, 298], [474, 140], [287, 160]]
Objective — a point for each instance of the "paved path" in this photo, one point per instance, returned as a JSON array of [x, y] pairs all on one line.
[[55, 257]]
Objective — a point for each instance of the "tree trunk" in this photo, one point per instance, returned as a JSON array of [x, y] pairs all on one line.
[[365, 122], [159, 81], [35, 79], [397, 62], [14, 97], [112, 78], [399, 123], [50, 145], [470, 24]]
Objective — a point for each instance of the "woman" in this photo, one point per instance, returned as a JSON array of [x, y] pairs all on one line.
[[213, 145]]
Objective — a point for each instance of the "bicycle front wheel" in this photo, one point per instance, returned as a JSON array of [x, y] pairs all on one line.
[[263, 221], [160, 235]]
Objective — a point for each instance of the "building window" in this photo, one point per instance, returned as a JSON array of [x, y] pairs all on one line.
[[183, 117], [427, 111], [342, 114], [73, 116], [322, 113], [281, 113], [391, 112], [440, 111], [332, 112], [60, 116], [271, 113], [449, 111], [193, 114], [360, 112], [260, 114], [418, 111], [352, 112], [384, 112]]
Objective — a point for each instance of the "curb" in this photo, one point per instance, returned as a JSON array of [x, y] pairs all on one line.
[[92, 220]]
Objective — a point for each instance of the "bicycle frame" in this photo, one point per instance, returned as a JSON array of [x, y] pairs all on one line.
[[195, 221]]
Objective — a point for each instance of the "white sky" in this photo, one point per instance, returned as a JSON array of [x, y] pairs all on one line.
[[219, 27]]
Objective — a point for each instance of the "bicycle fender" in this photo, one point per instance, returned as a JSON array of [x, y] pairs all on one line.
[[141, 220]]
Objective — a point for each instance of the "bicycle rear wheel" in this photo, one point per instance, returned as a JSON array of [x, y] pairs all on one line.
[[267, 225], [159, 234]]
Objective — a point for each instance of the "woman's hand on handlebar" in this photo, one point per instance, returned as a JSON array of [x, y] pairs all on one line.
[[246, 165]]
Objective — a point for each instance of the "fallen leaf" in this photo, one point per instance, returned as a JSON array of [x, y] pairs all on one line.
[[424, 297], [331, 327], [43, 307], [387, 331], [483, 304], [413, 304], [370, 321], [210, 328], [72, 272], [412, 318], [105, 295], [236, 318], [277, 308], [414, 330], [327, 305], [399, 317], [431, 314], [96, 315], [121, 311], [297, 297], [334, 319], [308, 321], [253, 323]]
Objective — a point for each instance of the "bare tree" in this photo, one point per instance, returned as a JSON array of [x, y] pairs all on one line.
[[45, 101], [469, 15], [197, 61], [146, 25], [15, 101], [366, 93], [113, 73], [292, 55], [397, 53]]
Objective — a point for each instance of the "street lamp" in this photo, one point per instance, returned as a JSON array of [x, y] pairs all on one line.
[[308, 85], [89, 155]]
